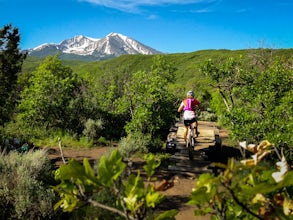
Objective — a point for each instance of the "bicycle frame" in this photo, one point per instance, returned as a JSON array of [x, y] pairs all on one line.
[[190, 137], [190, 141]]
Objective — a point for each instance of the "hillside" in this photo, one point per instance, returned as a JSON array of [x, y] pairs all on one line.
[[187, 64]]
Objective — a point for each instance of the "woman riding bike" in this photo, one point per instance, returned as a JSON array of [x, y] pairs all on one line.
[[189, 116]]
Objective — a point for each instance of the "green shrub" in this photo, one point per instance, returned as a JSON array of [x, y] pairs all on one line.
[[155, 145], [67, 140], [103, 141], [24, 186], [23, 132], [132, 144], [207, 116], [93, 128], [104, 196]]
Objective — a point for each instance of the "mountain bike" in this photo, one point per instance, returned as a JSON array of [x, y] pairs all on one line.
[[190, 141]]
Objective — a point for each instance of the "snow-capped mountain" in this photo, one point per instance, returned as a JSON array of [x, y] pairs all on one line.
[[113, 45]]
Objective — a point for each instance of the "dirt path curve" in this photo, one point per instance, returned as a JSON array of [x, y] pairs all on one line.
[[182, 171]]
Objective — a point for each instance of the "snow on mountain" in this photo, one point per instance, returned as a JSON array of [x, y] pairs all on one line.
[[78, 45], [114, 44], [42, 46]]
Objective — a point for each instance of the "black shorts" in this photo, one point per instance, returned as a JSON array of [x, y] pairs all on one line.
[[189, 122]]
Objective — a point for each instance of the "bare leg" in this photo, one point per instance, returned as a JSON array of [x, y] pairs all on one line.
[[185, 133], [196, 129]]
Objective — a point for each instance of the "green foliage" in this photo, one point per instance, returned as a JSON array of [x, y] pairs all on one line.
[[79, 184], [55, 100], [110, 168], [11, 60], [23, 133], [99, 103], [269, 109], [226, 75], [251, 94], [41, 136], [148, 101], [24, 181], [47, 98], [168, 215], [103, 141], [143, 92], [151, 164], [207, 116], [137, 198], [256, 96], [243, 192], [50, 139], [92, 128], [133, 143]]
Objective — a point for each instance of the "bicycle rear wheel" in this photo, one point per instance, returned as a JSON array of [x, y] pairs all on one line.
[[190, 147], [190, 152], [191, 142]]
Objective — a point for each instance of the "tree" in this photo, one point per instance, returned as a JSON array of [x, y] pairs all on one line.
[[102, 92], [264, 111], [257, 96], [11, 59], [227, 76], [148, 102], [49, 98]]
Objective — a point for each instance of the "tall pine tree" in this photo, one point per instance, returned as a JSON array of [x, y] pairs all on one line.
[[11, 59]]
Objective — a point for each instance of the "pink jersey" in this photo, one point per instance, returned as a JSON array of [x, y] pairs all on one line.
[[189, 105]]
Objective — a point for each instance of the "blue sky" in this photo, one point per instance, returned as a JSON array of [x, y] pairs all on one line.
[[170, 26]]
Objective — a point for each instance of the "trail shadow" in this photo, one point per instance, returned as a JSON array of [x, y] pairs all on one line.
[[223, 153], [174, 201]]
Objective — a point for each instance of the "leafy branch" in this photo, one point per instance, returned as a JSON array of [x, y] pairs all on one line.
[[78, 184], [246, 189]]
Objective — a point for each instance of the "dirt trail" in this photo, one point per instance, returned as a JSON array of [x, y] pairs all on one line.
[[186, 171], [182, 172]]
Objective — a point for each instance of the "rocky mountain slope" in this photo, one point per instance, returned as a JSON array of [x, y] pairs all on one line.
[[82, 47]]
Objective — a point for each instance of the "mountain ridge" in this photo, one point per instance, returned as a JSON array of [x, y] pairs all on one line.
[[84, 47]]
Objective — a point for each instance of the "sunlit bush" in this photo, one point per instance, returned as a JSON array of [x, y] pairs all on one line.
[[24, 181], [133, 144]]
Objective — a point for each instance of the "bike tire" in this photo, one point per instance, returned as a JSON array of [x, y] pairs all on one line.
[[190, 148], [190, 144], [190, 153]]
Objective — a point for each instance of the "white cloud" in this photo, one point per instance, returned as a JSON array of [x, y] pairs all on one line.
[[134, 5], [152, 17]]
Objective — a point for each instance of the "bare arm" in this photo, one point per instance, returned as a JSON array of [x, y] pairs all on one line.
[[180, 108]]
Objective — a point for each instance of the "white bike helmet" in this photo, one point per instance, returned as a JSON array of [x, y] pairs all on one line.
[[190, 93]]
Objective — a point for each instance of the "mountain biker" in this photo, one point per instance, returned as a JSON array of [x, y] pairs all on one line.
[[189, 116]]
